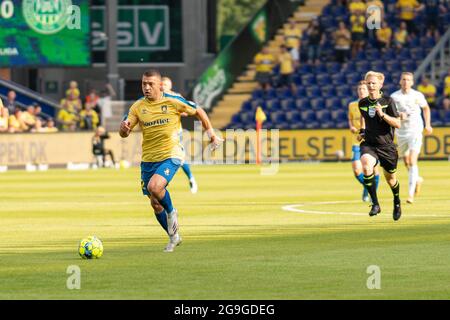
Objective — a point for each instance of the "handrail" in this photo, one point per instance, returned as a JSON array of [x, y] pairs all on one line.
[[428, 62], [28, 92]]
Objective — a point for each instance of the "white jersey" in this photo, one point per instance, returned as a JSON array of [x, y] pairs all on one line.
[[410, 103]]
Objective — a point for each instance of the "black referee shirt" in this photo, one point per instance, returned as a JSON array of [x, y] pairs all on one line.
[[378, 132]]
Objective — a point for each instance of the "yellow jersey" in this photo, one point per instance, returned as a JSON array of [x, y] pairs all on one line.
[[426, 90], [354, 115], [447, 86], [264, 62], [293, 37], [66, 116], [407, 9], [286, 63], [357, 6], [358, 23], [384, 34], [160, 122]]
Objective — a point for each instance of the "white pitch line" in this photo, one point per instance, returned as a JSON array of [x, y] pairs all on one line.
[[294, 208]]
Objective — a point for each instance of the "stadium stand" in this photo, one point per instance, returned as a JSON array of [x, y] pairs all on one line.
[[321, 91]]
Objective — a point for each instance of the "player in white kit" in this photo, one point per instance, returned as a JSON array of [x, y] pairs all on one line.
[[410, 103]]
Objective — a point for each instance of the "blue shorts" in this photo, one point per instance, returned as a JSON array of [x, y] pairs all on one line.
[[356, 153], [166, 169]]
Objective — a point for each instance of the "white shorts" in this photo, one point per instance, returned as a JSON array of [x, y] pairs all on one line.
[[409, 142]]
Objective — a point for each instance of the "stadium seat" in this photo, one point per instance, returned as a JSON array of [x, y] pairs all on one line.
[[271, 93], [273, 105], [332, 103], [408, 65], [322, 79], [344, 90], [304, 69], [436, 120], [417, 53], [258, 94], [313, 91], [333, 67], [389, 54], [353, 78], [293, 116], [309, 119], [300, 92], [338, 79], [446, 118], [302, 104], [246, 106], [378, 65], [362, 66], [317, 104], [283, 93], [324, 119], [308, 79], [296, 79], [288, 104], [346, 101], [328, 91], [258, 103]]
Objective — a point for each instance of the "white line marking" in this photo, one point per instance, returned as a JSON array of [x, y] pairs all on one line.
[[294, 208]]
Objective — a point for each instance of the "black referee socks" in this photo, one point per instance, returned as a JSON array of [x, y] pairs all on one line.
[[369, 183]]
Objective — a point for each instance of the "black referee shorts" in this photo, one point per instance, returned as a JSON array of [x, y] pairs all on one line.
[[387, 155]]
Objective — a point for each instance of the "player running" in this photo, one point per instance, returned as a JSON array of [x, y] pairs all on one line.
[[354, 122], [167, 88], [378, 122], [158, 115], [409, 104]]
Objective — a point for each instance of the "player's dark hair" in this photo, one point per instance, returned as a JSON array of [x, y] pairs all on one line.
[[152, 73]]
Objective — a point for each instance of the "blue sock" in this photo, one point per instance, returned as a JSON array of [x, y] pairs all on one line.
[[162, 219], [377, 180], [360, 178], [187, 170], [166, 202]]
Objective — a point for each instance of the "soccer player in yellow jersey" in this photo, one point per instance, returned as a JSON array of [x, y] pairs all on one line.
[[158, 115], [354, 123], [167, 88]]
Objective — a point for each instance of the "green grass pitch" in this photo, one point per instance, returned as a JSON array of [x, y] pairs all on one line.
[[238, 241]]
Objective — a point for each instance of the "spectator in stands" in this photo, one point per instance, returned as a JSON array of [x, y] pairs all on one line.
[[401, 36], [105, 102], [358, 23], [428, 90], [356, 5], [16, 123], [93, 101], [73, 90], [10, 102], [29, 118], [4, 118], [407, 10], [316, 38], [384, 36], [40, 128], [38, 113], [67, 118], [376, 3], [446, 101], [265, 62], [432, 9], [342, 42], [88, 118], [293, 36], [287, 67]]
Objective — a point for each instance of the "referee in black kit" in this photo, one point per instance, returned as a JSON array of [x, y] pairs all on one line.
[[378, 122]]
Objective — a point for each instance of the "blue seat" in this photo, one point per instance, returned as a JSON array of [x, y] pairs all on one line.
[[317, 104], [362, 66], [302, 104], [417, 53], [322, 79], [309, 119], [304, 69], [277, 116], [324, 119], [313, 91], [333, 67], [258, 103], [338, 79], [296, 79], [349, 67], [271, 93], [308, 79], [258, 94], [427, 42], [388, 55], [293, 116], [283, 93], [436, 120], [393, 66], [288, 104], [273, 105], [246, 106], [328, 91], [353, 78], [346, 101], [403, 54], [300, 92], [446, 118], [408, 65], [345, 90], [378, 65], [332, 103]]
